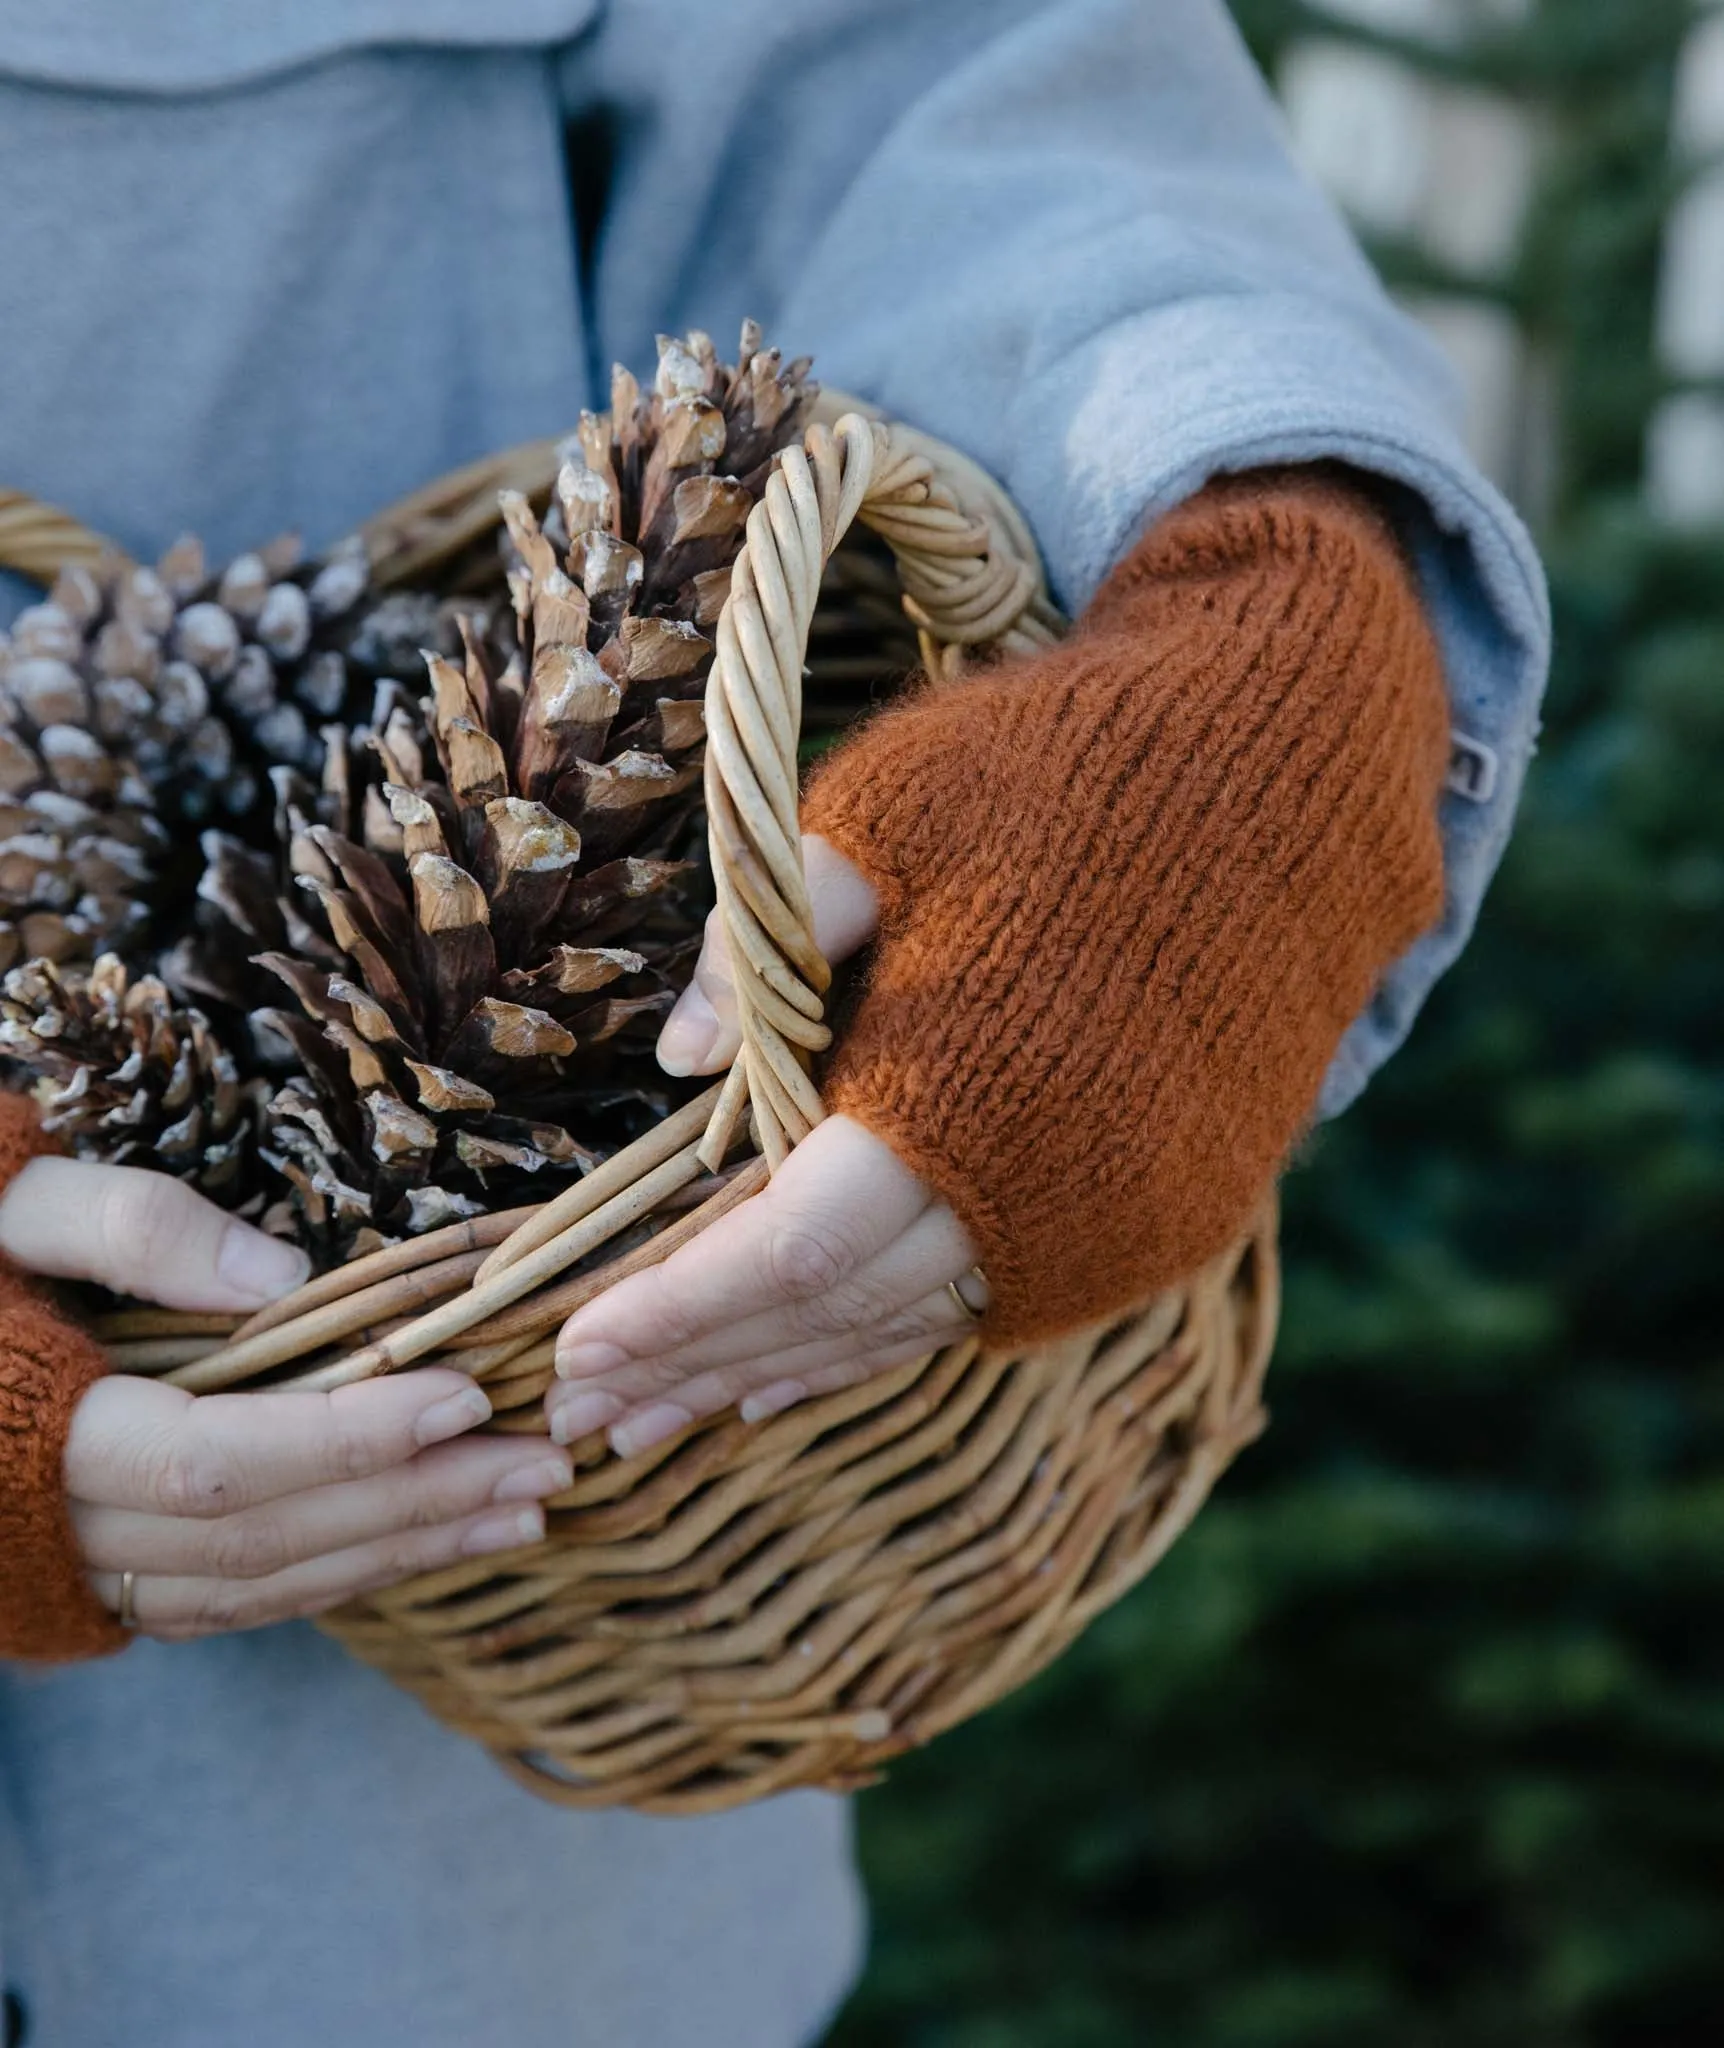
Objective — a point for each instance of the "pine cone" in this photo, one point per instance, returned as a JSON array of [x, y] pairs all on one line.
[[125, 1076], [135, 699], [482, 910]]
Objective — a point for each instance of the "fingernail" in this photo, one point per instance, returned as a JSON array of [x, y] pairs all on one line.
[[258, 1267], [449, 1417], [588, 1360], [504, 1532], [651, 1426], [581, 1414], [690, 1033], [772, 1400], [534, 1482]]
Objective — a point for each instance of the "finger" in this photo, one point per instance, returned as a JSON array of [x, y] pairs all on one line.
[[839, 1200], [438, 1487], [141, 1233], [815, 1381], [137, 1444], [934, 1250], [701, 1035], [175, 1608], [653, 1408]]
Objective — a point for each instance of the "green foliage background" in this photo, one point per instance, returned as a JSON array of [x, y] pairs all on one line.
[[1418, 1737]]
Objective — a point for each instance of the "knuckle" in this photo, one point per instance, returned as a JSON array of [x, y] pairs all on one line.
[[674, 1323], [248, 1547], [428, 1501], [137, 1221], [348, 1452], [654, 1376], [913, 1325], [840, 1310], [721, 1388], [193, 1484], [805, 1259], [412, 1551], [308, 1605], [221, 1607]]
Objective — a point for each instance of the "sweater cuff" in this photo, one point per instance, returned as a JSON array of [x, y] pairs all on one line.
[[22, 1138], [48, 1612]]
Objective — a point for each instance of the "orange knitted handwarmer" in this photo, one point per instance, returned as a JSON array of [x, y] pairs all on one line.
[[47, 1610], [1134, 890]]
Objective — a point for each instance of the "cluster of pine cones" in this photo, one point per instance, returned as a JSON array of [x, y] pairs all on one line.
[[360, 909]]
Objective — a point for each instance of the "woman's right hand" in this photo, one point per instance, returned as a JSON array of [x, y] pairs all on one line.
[[235, 1510]]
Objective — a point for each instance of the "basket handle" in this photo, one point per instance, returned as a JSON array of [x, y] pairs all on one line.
[[970, 577]]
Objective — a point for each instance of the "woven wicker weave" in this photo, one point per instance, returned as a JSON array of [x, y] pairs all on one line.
[[751, 1608]]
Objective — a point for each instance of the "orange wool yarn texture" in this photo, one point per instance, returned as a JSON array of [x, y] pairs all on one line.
[[47, 1610], [1134, 890]]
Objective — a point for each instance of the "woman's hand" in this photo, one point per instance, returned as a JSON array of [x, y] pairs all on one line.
[[843, 1266], [837, 1269], [232, 1510]]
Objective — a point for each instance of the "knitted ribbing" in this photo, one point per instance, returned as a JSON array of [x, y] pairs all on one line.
[[47, 1610], [1133, 891]]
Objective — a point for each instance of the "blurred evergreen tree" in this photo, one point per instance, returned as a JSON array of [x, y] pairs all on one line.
[[1417, 1739]]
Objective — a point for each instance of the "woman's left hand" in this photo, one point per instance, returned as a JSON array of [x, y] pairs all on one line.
[[837, 1269], [841, 1267]]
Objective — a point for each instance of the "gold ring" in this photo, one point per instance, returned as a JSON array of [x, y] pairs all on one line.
[[962, 1302], [128, 1614]]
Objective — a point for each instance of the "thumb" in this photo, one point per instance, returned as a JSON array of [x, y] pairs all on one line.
[[141, 1233], [701, 1035]]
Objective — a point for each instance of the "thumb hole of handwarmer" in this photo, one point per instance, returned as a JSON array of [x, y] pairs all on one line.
[[701, 1034]]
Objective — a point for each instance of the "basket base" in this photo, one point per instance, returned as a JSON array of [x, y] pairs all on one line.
[[751, 1609]]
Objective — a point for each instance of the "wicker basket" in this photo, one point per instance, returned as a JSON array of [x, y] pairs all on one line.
[[751, 1608]]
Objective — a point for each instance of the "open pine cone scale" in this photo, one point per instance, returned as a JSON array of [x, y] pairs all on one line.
[[442, 963]]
